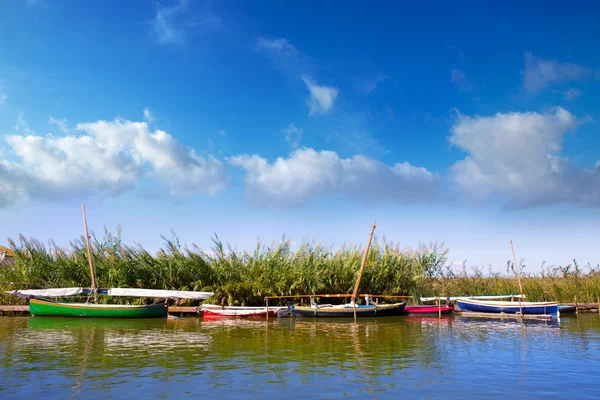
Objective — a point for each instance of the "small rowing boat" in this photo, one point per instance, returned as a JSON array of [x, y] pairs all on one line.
[[508, 307], [216, 311], [566, 309], [348, 310], [428, 310]]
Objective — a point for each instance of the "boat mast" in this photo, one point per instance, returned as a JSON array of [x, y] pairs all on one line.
[[89, 253], [362, 267], [518, 276]]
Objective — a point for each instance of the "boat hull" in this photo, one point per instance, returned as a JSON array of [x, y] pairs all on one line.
[[428, 310], [508, 307], [215, 312], [52, 309], [361, 311]]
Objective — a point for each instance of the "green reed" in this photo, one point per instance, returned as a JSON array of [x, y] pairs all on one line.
[[246, 277]]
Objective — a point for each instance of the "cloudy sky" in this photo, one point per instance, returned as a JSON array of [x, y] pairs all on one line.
[[453, 122]]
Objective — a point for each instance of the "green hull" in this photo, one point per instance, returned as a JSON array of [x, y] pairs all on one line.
[[51, 309]]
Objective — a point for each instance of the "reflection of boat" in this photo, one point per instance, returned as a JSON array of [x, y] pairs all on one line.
[[370, 310], [50, 308], [216, 311], [428, 310], [508, 307]]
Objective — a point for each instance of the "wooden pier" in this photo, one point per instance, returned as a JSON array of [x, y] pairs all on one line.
[[23, 310]]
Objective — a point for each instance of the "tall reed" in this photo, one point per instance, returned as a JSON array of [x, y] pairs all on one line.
[[245, 278]]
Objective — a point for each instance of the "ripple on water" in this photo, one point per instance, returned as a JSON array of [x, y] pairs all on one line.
[[380, 358]]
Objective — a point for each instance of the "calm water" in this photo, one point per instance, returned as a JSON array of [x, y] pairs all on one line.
[[382, 358]]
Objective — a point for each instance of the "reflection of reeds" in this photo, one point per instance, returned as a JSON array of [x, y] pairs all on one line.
[[245, 278]]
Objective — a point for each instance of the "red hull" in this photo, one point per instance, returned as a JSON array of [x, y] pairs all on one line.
[[421, 310], [206, 314]]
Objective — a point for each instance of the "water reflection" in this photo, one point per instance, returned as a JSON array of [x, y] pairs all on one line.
[[418, 357]]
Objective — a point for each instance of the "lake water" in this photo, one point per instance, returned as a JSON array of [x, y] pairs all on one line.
[[393, 357]]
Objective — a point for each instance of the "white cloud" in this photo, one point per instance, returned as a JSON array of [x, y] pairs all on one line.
[[292, 135], [165, 24], [460, 80], [283, 56], [22, 125], [3, 97], [517, 156], [321, 97], [60, 123], [572, 93], [222, 132], [539, 74], [109, 157], [307, 173], [368, 85], [172, 23], [148, 117], [276, 48]]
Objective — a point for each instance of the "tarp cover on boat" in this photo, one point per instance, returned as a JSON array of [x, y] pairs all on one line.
[[454, 298], [33, 293], [170, 294]]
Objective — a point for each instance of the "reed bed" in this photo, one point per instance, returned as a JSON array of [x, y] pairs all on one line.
[[245, 278]]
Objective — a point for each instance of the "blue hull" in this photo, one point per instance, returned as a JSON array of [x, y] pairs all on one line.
[[486, 308]]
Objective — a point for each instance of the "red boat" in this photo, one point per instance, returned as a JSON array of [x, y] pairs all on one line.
[[211, 311], [428, 310]]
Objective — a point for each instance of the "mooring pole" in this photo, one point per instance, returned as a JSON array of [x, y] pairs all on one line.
[[89, 253], [518, 277]]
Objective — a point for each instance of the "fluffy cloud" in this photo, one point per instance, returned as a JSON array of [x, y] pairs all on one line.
[[321, 98], [307, 173], [109, 157], [517, 156], [3, 97], [539, 74]]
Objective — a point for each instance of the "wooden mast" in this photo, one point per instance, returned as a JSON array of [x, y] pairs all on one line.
[[362, 267], [89, 253], [518, 277]]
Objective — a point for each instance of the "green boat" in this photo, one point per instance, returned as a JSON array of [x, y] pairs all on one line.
[[52, 309]]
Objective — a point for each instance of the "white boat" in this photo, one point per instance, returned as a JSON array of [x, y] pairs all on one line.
[[216, 311]]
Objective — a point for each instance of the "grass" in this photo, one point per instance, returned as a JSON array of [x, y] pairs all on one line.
[[245, 278]]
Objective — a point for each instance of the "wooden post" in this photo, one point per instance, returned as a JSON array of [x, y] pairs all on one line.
[[576, 306], [518, 277], [267, 301], [598, 305], [439, 308], [89, 253], [362, 267]]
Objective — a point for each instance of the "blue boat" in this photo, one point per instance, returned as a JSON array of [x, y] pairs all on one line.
[[508, 307]]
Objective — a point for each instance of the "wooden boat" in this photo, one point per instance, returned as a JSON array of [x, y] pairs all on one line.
[[212, 311], [370, 310], [566, 309], [52, 309], [508, 307], [428, 310], [352, 309]]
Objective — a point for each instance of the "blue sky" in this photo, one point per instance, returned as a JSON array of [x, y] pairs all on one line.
[[463, 122]]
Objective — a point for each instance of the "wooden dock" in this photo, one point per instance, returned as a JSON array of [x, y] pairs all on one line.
[[23, 310]]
